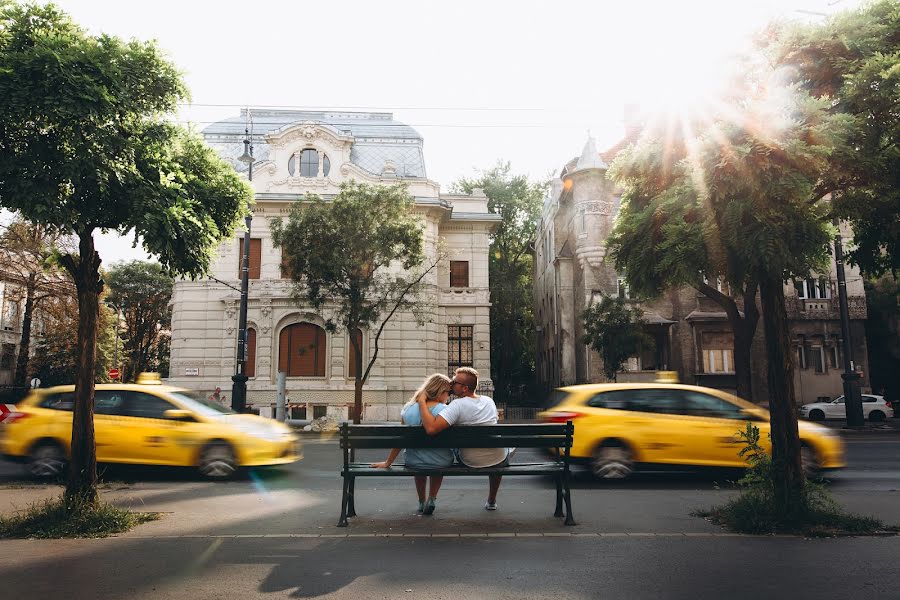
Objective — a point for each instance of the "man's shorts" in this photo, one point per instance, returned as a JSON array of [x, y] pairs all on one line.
[[502, 463]]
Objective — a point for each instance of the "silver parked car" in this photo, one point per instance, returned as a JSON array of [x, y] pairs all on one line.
[[875, 408]]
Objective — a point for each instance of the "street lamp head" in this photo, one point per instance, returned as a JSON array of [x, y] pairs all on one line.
[[247, 156], [248, 218]]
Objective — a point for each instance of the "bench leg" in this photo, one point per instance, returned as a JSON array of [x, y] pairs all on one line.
[[570, 520], [559, 497], [351, 500], [342, 522]]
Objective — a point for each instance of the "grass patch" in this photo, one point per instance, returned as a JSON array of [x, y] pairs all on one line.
[[753, 511], [57, 518]]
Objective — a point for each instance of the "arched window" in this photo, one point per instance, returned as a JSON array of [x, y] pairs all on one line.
[[351, 365], [250, 365], [301, 350], [309, 163], [308, 160]]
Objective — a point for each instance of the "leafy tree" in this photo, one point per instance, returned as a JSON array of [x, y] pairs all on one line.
[[615, 331], [852, 64], [377, 268], [518, 202], [661, 240], [141, 291], [85, 145], [56, 355], [27, 259], [807, 135]]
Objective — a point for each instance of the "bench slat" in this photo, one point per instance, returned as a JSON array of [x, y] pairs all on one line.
[[502, 428], [441, 441], [364, 470]]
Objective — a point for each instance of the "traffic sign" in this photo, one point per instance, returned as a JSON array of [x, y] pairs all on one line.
[[8, 413], [113, 373]]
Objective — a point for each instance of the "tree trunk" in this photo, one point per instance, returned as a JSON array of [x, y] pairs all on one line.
[[787, 474], [357, 380], [21, 376], [82, 482]]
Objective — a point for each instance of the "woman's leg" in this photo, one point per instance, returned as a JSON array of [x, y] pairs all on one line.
[[435, 485], [420, 487]]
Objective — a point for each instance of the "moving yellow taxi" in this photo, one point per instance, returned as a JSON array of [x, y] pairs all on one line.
[[621, 425], [145, 423]]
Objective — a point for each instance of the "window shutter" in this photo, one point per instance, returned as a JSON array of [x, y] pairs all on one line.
[[459, 273], [255, 257], [250, 365]]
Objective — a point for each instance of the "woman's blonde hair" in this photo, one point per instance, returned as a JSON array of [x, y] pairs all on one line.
[[433, 387]]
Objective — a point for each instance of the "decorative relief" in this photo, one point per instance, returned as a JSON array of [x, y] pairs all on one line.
[[591, 256], [598, 208], [230, 309]]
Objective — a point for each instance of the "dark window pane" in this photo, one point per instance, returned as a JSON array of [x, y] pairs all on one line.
[[459, 347], [617, 400], [63, 401], [139, 404], [108, 402], [698, 404], [292, 164], [326, 165], [309, 163], [320, 411]]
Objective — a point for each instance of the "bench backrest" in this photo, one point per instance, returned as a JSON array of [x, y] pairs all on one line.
[[541, 435]]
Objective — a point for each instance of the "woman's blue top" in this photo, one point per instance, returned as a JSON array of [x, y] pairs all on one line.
[[425, 458]]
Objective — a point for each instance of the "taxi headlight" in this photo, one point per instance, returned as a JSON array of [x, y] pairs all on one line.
[[263, 433]]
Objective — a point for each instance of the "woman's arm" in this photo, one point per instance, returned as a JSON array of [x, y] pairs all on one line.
[[390, 459]]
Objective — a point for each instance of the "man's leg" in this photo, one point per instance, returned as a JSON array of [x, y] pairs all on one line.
[[494, 486]]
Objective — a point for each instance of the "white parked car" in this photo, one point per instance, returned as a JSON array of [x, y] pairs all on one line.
[[875, 408]]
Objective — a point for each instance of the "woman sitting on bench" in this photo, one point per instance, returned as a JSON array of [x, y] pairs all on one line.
[[435, 391]]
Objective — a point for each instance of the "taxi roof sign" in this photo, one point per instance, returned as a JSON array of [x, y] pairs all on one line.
[[667, 377], [149, 379]]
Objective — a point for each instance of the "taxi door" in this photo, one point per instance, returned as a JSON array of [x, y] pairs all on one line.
[[718, 423], [155, 438], [111, 429]]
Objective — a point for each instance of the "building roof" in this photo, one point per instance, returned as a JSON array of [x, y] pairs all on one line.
[[378, 138]]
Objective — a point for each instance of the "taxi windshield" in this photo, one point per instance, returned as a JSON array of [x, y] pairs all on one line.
[[207, 408]]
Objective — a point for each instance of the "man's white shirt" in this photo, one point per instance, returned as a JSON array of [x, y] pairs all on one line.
[[477, 410]]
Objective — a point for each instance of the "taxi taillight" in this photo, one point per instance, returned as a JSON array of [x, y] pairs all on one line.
[[561, 416]]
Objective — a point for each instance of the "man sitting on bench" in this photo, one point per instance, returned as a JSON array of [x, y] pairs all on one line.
[[469, 409]]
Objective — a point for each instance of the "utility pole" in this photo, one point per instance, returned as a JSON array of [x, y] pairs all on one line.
[[852, 395], [239, 385]]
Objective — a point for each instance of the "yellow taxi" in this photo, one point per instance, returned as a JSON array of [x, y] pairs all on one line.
[[619, 426], [145, 423]]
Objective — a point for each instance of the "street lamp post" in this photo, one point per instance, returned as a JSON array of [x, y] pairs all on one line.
[[852, 395], [239, 385]]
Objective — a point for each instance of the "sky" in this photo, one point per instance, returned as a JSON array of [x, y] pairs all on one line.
[[481, 81]]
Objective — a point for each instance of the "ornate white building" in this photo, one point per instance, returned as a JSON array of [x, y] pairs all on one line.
[[314, 152]]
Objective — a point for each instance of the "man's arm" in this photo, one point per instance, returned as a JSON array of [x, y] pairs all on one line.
[[433, 425]]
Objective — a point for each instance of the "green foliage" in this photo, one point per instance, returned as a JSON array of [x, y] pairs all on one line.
[[70, 518], [518, 202], [754, 510], [615, 330], [85, 142], [141, 292]]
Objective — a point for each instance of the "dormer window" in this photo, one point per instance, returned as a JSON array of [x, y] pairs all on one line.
[[309, 163]]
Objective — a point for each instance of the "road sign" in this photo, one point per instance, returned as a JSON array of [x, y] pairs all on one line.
[[113, 373], [8, 413]]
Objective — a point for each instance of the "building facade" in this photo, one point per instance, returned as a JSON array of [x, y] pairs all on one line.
[[691, 333], [300, 153]]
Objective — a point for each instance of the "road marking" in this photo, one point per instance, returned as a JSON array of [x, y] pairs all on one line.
[[491, 535]]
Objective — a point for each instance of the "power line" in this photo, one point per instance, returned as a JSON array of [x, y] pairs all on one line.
[[360, 108]]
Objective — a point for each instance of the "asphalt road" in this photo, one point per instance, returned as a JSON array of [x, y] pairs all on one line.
[[272, 534]]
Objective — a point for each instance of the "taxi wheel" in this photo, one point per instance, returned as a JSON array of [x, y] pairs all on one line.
[[217, 461], [47, 461], [612, 462], [809, 462]]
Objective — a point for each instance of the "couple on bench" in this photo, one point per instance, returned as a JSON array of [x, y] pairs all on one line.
[[429, 408]]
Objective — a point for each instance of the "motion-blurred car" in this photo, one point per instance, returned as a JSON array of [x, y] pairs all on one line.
[[621, 426], [875, 409], [145, 423]]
